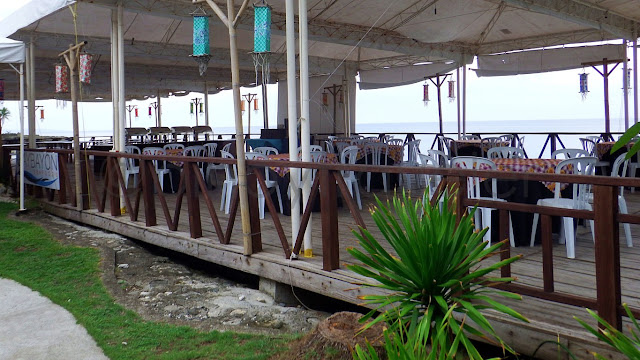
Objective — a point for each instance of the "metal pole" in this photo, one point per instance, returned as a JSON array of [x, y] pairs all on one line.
[[458, 100], [635, 76], [31, 72], [21, 111], [121, 90], [241, 163], [114, 77], [607, 120], [73, 69], [292, 115], [305, 127], [265, 109], [206, 103], [625, 86], [438, 84], [464, 100], [159, 110]]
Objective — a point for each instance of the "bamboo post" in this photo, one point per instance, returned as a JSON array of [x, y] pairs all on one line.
[[71, 57]]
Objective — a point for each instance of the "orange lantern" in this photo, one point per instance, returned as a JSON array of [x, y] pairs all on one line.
[[325, 98], [255, 104], [242, 105], [41, 114]]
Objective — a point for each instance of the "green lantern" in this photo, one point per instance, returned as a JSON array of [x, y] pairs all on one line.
[[200, 35], [262, 28]]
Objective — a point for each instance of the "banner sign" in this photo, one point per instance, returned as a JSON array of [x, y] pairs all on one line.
[[41, 169]]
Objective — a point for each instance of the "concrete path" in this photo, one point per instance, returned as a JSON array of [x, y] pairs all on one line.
[[32, 327]]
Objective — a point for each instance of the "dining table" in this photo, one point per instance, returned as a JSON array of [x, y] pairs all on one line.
[[525, 192], [472, 147]]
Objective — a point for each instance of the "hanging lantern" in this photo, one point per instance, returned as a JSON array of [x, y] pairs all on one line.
[[201, 52], [41, 114], [452, 90], [191, 108], [425, 94], [1, 89], [255, 104], [629, 79], [201, 108], [136, 112], [149, 111], [62, 79], [325, 98], [86, 62], [241, 105], [262, 28], [584, 85], [341, 97]]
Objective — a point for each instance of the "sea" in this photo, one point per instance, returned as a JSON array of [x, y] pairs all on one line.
[[533, 143]]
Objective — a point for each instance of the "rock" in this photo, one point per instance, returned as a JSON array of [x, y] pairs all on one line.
[[123, 266], [238, 313], [171, 308], [241, 297], [261, 300], [145, 293]]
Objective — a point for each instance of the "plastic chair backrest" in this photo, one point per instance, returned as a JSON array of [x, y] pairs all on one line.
[[315, 148], [505, 152], [211, 149], [155, 151], [569, 153], [173, 146], [617, 172], [254, 155], [398, 142], [318, 156], [130, 163], [469, 137], [341, 145], [588, 145], [447, 145], [473, 182], [413, 149], [330, 148], [266, 150], [442, 159], [230, 171], [579, 166], [379, 153], [227, 146], [349, 156]]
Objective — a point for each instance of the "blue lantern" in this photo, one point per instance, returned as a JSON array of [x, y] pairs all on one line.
[[262, 28], [200, 35]]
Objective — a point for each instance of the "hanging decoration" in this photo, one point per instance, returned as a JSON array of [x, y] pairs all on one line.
[[341, 96], [201, 108], [1, 89], [255, 104], [201, 52], [149, 111], [629, 79], [136, 113], [261, 41], [325, 98], [452, 90], [41, 114], [425, 93], [584, 85], [86, 64], [242, 108], [191, 108], [62, 79]]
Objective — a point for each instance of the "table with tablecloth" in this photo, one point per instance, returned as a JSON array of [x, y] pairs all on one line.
[[604, 154], [525, 192], [472, 147]]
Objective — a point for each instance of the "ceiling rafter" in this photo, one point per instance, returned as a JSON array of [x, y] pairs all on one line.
[[408, 14], [492, 22]]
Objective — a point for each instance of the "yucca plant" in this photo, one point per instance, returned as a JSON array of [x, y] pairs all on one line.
[[437, 271], [627, 345]]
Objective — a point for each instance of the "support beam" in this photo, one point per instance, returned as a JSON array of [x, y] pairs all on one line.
[[31, 79], [305, 122], [292, 116]]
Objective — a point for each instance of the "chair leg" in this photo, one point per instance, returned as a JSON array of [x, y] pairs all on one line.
[[512, 240], [570, 237], [384, 181], [161, 178], [622, 204], [279, 198], [486, 223], [222, 196], [126, 180], [228, 198], [534, 228], [135, 180], [357, 191], [369, 182], [261, 204]]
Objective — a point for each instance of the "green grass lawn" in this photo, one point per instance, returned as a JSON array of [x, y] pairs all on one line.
[[70, 277]]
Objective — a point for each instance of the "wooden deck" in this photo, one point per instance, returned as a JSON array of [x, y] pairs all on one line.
[[548, 320]]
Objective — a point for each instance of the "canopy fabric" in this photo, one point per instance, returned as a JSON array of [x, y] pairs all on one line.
[[405, 75], [537, 61], [11, 51], [30, 13]]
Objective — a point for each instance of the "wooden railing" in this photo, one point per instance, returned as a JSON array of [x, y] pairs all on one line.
[[192, 187]]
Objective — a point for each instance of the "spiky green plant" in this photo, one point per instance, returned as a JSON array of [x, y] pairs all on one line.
[[627, 345], [436, 272]]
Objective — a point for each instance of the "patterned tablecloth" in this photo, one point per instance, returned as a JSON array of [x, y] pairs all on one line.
[[540, 166], [475, 143], [395, 153], [175, 152], [283, 170], [603, 148]]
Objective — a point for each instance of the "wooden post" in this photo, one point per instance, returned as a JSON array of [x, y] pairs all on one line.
[[113, 190], [62, 194], [329, 210], [193, 205], [607, 254], [605, 74], [71, 57], [84, 195], [438, 84], [254, 212], [147, 192], [547, 253]]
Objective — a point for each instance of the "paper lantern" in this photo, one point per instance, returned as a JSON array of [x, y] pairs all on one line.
[[325, 98], [62, 79], [149, 111], [255, 104], [262, 28], [584, 88], [41, 114], [201, 108], [200, 35], [1, 89], [136, 112], [86, 63], [191, 108], [425, 94], [241, 105], [452, 90]]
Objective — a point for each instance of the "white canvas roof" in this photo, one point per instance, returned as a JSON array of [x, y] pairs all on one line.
[[360, 35], [11, 51]]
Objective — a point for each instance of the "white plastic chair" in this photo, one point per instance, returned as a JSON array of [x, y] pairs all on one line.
[[505, 152], [379, 155], [330, 148], [431, 181], [569, 153], [349, 156], [616, 171], [482, 217], [211, 152], [341, 145], [197, 151], [130, 167], [266, 150], [231, 180], [490, 142], [397, 142], [413, 149], [173, 146], [469, 137], [578, 201], [159, 165], [270, 183], [441, 157]]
